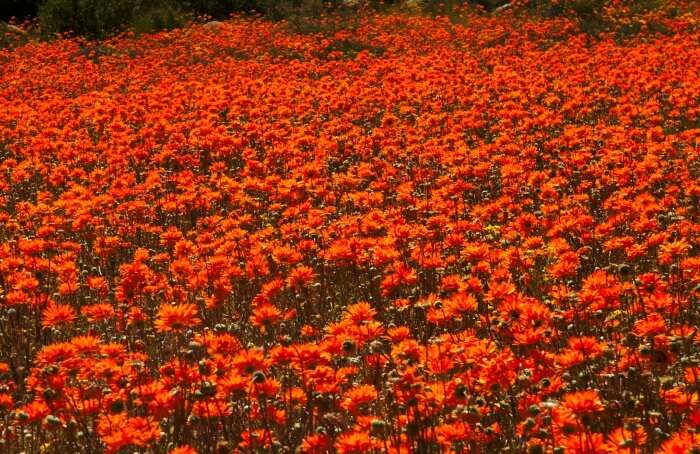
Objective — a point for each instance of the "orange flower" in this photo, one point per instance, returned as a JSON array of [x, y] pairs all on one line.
[[355, 443], [119, 431], [300, 276], [627, 441], [265, 316], [97, 312], [670, 252], [355, 398], [680, 443], [360, 312], [315, 444], [391, 237], [176, 318], [460, 305], [58, 314], [183, 450], [583, 402], [6, 401]]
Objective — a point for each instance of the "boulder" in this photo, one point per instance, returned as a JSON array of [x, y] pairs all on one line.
[[14, 29], [214, 25]]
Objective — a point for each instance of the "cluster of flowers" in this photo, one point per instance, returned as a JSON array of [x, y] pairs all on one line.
[[410, 236]]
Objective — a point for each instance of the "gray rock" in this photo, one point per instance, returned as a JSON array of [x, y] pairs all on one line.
[[214, 25], [14, 29]]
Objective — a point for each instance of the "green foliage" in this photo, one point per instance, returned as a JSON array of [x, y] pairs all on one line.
[[298, 9], [158, 17], [100, 18], [315, 16], [221, 8], [273, 9], [594, 16], [85, 17]]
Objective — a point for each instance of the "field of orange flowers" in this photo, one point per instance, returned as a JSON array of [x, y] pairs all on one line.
[[409, 235]]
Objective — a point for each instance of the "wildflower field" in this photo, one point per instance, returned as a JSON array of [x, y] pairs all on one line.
[[408, 234]]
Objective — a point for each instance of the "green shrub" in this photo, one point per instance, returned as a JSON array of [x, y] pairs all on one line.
[[163, 16], [298, 9], [221, 8], [274, 9], [594, 16], [91, 18], [100, 18], [315, 16]]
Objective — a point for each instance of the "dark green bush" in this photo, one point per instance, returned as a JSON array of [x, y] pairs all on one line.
[[160, 16], [298, 9], [100, 18], [86, 17], [221, 8], [595, 16]]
